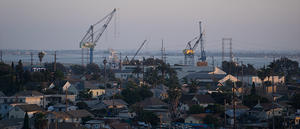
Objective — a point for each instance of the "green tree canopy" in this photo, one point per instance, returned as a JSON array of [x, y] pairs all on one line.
[[78, 69], [196, 109]]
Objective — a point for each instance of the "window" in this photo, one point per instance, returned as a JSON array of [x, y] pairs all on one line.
[[16, 109]]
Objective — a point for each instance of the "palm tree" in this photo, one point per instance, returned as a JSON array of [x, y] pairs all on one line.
[[262, 74], [41, 56]]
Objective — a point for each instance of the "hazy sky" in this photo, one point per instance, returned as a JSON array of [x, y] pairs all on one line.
[[60, 24]]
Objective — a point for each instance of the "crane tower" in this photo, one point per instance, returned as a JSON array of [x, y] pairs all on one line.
[[93, 35], [189, 51]]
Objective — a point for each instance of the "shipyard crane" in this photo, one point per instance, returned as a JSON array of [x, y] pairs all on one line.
[[92, 36], [189, 51], [132, 59]]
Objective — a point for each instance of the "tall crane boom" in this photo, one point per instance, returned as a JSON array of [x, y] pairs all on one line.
[[138, 50], [89, 41], [203, 54]]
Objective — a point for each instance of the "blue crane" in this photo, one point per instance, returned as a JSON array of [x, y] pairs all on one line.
[[92, 36]]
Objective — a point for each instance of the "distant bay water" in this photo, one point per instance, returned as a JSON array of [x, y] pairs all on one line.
[[75, 57]]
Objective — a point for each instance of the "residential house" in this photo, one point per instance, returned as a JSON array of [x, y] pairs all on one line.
[[64, 86], [195, 118], [160, 92], [29, 97], [269, 108], [185, 102], [62, 107], [2, 94], [73, 116], [115, 103], [126, 114], [19, 111], [188, 100], [226, 78], [203, 100], [54, 125], [249, 79], [94, 89], [95, 124], [58, 98], [257, 113], [119, 125], [158, 107], [240, 111], [11, 123]]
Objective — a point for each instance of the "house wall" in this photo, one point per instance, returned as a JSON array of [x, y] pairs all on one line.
[[97, 92], [38, 100], [191, 119], [277, 112], [4, 109], [16, 112]]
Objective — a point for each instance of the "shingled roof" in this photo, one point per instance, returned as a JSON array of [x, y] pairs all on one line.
[[28, 93], [79, 113], [29, 107], [204, 99]]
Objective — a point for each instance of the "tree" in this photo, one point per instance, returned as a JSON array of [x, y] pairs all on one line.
[[148, 117], [253, 90], [295, 101], [82, 105], [137, 70], [252, 100], [196, 109], [286, 67], [92, 68], [41, 56], [212, 121], [20, 71], [151, 76], [59, 67], [193, 86], [40, 121], [26, 121], [59, 75], [86, 94], [262, 74], [77, 69], [134, 94]]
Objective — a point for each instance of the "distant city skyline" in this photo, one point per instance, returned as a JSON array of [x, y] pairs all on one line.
[[254, 25]]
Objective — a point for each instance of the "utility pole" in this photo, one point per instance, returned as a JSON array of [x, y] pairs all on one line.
[[104, 62], [66, 99], [225, 113], [120, 62], [162, 50], [54, 61], [82, 56], [243, 91], [230, 45], [223, 54], [1, 56], [31, 59], [234, 106], [273, 101], [144, 70]]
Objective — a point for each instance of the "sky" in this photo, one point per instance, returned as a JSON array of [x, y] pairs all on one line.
[[254, 25]]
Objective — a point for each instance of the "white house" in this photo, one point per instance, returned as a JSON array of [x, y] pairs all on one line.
[[228, 77], [19, 110]]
